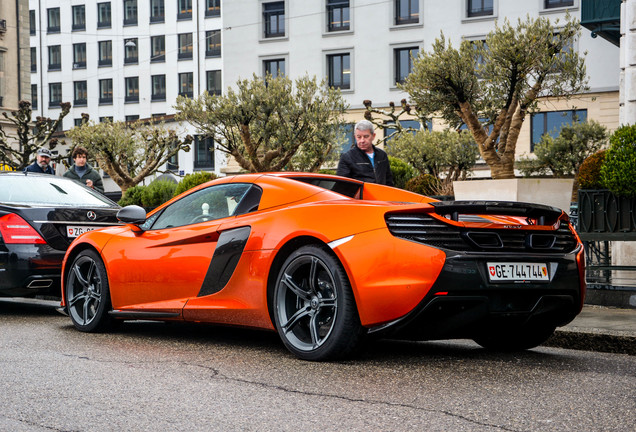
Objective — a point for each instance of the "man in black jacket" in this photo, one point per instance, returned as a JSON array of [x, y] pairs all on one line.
[[365, 161]]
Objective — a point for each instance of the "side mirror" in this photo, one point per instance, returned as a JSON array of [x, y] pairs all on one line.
[[132, 214]]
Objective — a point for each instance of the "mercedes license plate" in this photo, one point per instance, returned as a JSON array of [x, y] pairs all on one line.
[[74, 231], [517, 271]]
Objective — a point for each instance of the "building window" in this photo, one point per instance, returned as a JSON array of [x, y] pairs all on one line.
[[407, 12], [339, 70], [79, 55], [55, 58], [77, 122], [130, 12], [55, 95], [157, 49], [131, 54], [274, 67], [105, 53], [274, 19], [213, 82], [338, 18], [106, 119], [132, 89], [106, 91], [34, 59], [404, 62], [212, 8], [186, 84], [414, 125], [551, 123], [34, 96], [53, 20], [349, 140], [203, 152], [478, 8], [184, 9], [132, 118], [79, 17], [185, 46], [158, 88], [157, 11], [32, 22], [553, 4], [173, 163], [213, 43], [103, 15], [80, 93]]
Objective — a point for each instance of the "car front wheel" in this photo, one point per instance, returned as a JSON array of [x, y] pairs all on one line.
[[314, 309], [87, 293]]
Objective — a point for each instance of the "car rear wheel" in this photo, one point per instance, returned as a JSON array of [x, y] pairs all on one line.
[[516, 339], [87, 293], [314, 309]]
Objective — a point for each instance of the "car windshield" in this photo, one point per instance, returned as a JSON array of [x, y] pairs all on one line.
[[48, 190]]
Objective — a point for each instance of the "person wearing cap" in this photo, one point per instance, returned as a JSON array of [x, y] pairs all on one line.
[[42, 163], [83, 172], [365, 161]]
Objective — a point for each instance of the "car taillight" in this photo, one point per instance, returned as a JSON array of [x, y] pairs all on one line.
[[16, 230]]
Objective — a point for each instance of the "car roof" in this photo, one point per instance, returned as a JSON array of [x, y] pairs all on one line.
[[35, 189]]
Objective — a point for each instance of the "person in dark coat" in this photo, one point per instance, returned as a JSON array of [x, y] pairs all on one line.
[[42, 163], [83, 172], [365, 161]]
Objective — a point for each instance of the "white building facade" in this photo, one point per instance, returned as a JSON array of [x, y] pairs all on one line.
[[125, 59]]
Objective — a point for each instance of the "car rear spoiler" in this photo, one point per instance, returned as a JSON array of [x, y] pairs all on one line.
[[543, 214]]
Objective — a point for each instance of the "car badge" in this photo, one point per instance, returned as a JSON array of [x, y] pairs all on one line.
[[91, 215]]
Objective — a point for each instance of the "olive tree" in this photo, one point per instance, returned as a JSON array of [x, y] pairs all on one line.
[[29, 136], [447, 155], [271, 123], [497, 82], [129, 152]]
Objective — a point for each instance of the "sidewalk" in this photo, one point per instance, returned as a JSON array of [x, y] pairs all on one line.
[[599, 328]]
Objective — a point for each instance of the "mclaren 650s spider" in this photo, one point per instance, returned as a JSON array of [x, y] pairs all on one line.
[[328, 261]]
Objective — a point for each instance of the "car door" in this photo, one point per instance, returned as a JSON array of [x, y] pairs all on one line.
[[163, 266]]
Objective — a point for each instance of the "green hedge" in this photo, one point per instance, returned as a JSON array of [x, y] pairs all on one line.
[[619, 169]]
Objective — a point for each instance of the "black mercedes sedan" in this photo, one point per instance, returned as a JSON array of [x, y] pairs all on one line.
[[40, 215]]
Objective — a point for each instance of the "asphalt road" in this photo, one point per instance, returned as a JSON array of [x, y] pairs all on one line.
[[158, 377]]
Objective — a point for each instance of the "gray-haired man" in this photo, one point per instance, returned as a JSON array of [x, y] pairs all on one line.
[[365, 161]]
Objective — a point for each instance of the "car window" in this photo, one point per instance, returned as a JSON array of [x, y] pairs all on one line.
[[214, 202], [48, 190], [350, 189]]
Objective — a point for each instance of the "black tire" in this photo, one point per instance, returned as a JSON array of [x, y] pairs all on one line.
[[516, 339], [314, 308], [87, 293]]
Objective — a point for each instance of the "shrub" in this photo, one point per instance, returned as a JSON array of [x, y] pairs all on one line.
[[192, 180], [402, 172], [132, 196], [619, 170], [590, 171], [424, 184], [157, 193], [327, 171]]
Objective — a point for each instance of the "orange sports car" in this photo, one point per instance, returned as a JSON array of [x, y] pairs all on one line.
[[328, 261]]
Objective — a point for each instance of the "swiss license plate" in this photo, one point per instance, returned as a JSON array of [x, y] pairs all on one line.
[[517, 271], [74, 231]]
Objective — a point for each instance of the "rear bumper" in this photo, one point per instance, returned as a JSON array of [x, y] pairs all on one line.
[[463, 303], [27, 270]]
